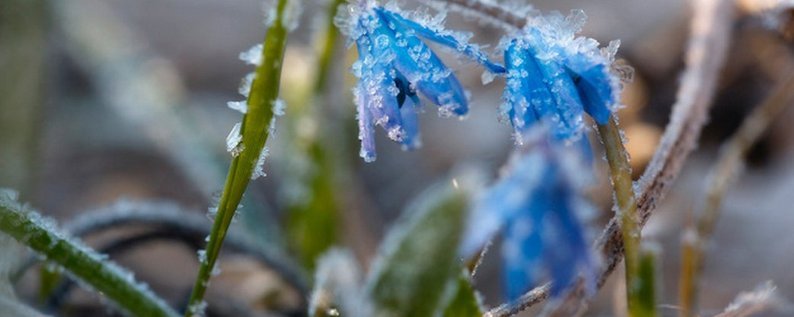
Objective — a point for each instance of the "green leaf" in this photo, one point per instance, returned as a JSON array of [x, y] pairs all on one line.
[[117, 284], [418, 257], [464, 302]]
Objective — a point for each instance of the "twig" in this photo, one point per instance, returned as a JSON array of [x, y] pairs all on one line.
[[710, 36], [722, 175]]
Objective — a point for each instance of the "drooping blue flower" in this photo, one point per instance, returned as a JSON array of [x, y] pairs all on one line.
[[394, 64], [536, 204], [553, 74]]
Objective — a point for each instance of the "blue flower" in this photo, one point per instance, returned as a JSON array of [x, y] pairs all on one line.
[[394, 64], [553, 74], [536, 204]]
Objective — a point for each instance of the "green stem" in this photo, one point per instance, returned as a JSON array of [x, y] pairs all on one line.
[[620, 174], [646, 300], [117, 284], [255, 131]]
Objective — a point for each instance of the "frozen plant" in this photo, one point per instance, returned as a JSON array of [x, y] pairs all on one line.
[[394, 63], [554, 74], [536, 204]]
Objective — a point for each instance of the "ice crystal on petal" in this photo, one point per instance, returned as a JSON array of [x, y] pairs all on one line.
[[536, 204], [395, 65], [555, 75]]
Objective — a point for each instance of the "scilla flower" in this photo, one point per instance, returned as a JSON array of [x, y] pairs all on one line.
[[394, 64], [535, 204], [555, 75]]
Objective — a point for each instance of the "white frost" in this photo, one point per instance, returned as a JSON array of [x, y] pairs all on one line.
[[233, 140]]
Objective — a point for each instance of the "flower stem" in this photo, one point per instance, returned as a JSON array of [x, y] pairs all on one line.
[[620, 174], [255, 131], [113, 282]]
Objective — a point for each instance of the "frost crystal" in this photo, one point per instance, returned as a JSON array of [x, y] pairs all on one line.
[[292, 14], [555, 76], [241, 106], [536, 203], [233, 140], [279, 107], [253, 55], [395, 64], [245, 85], [259, 169]]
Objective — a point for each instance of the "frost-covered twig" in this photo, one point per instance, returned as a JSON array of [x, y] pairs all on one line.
[[493, 12], [706, 52], [117, 284], [724, 172]]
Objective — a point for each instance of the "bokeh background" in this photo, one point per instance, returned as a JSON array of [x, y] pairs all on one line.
[[108, 100]]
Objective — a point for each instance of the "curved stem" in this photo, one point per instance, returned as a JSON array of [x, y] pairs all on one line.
[[112, 281], [255, 131]]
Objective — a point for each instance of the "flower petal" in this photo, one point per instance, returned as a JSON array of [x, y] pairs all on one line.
[[443, 37]]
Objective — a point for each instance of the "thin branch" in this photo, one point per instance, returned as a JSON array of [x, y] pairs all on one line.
[[706, 52]]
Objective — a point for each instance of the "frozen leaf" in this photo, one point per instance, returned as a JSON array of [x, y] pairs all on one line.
[[415, 264]]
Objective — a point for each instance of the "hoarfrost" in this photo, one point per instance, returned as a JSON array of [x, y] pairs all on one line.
[[253, 56], [245, 85], [241, 106], [292, 14], [279, 107], [233, 140], [259, 170], [198, 309], [202, 255]]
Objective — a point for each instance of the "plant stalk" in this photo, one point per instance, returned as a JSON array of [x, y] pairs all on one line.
[[255, 131], [623, 185]]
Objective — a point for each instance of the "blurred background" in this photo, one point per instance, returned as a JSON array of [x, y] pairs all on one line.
[[109, 100]]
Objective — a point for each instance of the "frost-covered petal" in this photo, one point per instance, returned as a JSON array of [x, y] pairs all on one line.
[[576, 74], [378, 79], [597, 89], [444, 37], [410, 117], [537, 202], [427, 73], [366, 131]]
